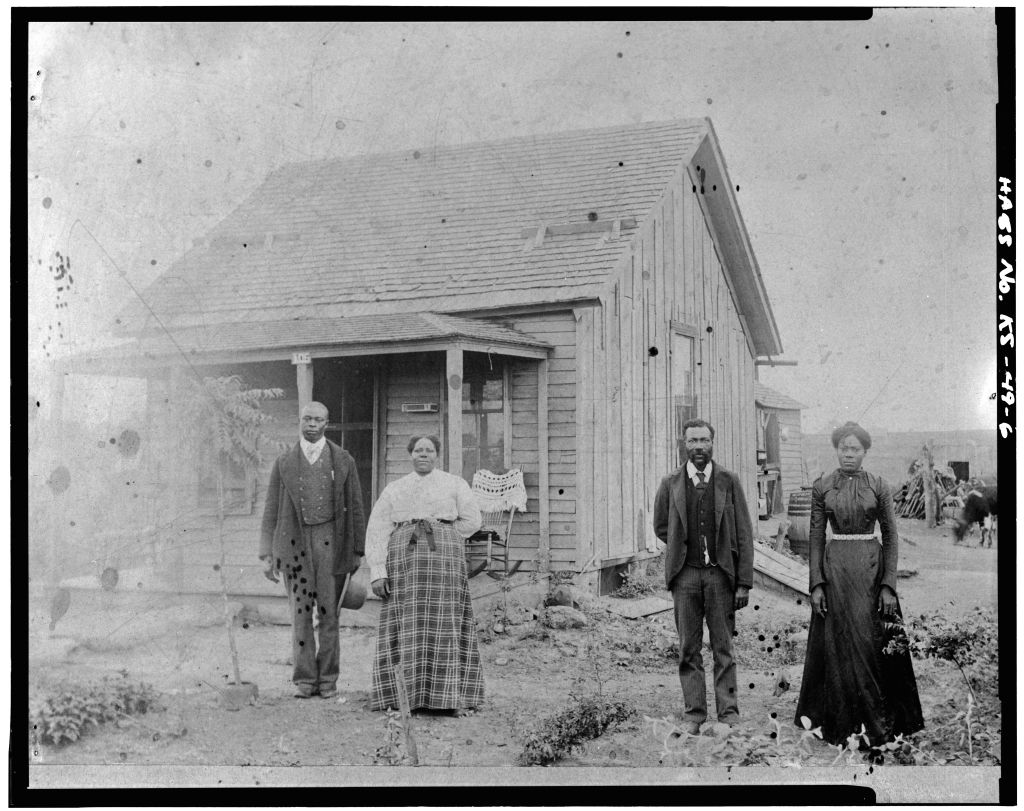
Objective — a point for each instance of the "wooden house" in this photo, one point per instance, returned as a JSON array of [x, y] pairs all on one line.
[[779, 448], [557, 303]]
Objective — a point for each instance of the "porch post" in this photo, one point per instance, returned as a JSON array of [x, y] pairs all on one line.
[[453, 375], [544, 540], [303, 378]]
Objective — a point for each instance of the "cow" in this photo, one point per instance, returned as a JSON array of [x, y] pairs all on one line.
[[980, 507]]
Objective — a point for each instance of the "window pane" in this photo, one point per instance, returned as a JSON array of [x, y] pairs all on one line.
[[493, 395], [684, 401], [494, 429], [470, 430]]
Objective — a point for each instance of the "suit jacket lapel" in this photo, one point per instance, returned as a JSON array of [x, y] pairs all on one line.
[[679, 497], [289, 469], [720, 494], [338, 473]]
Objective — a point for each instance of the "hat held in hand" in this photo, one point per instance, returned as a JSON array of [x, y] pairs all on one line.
[[353, 594]]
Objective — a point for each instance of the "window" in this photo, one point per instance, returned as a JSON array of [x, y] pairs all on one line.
[[684, 400], [774, 458], [483, 414]]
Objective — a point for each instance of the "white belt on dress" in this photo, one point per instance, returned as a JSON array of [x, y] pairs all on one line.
[[871, 537]]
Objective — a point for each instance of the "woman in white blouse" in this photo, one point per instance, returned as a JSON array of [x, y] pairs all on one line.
[[415, 547]]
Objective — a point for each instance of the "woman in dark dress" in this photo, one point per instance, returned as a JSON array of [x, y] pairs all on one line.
[[848, 680]]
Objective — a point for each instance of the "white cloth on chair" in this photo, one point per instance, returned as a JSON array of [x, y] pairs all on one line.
[[499, 492]]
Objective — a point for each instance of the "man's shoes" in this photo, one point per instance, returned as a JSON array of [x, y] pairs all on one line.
[[304, 691], [690, 727], [328, 692], [730, 720]]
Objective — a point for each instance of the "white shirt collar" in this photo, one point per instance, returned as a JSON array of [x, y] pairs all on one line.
[[312, 450], [691, 471]]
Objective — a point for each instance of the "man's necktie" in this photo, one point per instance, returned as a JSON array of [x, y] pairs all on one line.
[[701, 484]]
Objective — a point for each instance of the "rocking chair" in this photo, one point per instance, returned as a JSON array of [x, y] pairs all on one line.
[[497, 494]]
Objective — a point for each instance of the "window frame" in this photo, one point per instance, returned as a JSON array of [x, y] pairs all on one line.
[[678, 329]]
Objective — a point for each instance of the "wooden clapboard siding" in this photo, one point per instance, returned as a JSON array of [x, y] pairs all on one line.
[[674, 272], [559, 330], [415, 378], [790, 454]]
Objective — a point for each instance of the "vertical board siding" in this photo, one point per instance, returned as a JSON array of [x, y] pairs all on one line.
[[559, 330], [410, 378]]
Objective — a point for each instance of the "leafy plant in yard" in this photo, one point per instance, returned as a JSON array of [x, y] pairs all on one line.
[[589, 713], [583, 720], [67, 715], [223, 417], [635, 584], [970, 643], [392, 752]]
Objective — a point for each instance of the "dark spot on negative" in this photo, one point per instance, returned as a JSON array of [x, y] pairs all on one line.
[[138, 160], [760, 637], [47, 202], [775, 715], [592, 216], [751, 685], [653, 351], [301, 643], [619, 54], [216, 567], [756, 607], [416, 154]]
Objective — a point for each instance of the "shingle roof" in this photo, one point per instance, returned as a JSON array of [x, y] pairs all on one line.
[[303, 334], [769, 398], [439, 229]]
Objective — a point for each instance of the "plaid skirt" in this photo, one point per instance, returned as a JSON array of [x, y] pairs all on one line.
[[427, 626]]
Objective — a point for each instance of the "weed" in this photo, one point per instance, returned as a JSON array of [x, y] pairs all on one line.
[[65, 717], [583, 720], [393, 751], [971, 645], [636, 584]]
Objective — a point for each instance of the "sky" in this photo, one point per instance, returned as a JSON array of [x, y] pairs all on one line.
[[864, 152]]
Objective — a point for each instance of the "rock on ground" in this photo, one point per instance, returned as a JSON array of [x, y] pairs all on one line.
[[563, 616]]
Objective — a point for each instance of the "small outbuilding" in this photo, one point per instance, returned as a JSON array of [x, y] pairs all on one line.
[[779, 448]]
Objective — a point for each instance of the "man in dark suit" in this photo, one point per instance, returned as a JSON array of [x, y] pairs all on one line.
[[700, 512], [314, 531]]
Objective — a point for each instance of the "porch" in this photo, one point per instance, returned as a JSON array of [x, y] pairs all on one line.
[[382, 380]]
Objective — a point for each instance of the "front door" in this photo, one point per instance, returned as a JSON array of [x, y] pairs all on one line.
[[348, 387]]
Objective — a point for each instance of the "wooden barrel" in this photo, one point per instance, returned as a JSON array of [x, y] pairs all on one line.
[[799, 515]]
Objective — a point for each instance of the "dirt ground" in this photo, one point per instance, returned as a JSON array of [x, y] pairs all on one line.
[[181, 649]]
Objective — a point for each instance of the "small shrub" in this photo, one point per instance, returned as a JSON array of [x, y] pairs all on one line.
[[62, 718], [583, 720], [972, 729], [634, 585]]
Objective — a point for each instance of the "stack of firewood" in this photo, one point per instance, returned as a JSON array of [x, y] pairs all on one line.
[[908, 498]]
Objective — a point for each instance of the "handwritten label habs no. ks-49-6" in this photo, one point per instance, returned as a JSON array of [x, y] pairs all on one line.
[[1005, 286]]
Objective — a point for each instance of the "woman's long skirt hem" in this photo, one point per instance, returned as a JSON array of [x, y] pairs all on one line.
[[427, 626], [849, 682]]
